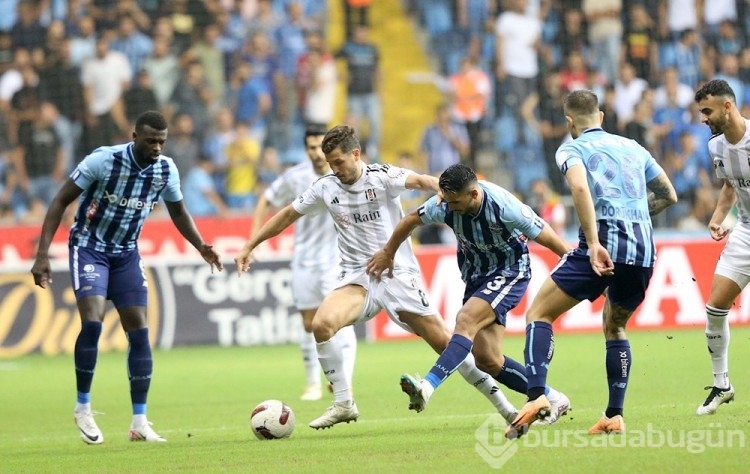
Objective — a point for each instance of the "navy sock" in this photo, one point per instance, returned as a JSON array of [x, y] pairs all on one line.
[[140, 366], [513, 376], [540, 345], [618, 362], [84, 357], [451, 357]]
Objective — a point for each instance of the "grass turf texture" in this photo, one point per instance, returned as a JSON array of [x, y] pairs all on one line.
[[201, 399]]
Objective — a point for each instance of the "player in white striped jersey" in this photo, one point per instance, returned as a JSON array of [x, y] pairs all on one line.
[[365, 205], [315, 261], [729, 148]]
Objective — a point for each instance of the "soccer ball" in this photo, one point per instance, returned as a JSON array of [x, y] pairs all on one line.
[[272, 419]]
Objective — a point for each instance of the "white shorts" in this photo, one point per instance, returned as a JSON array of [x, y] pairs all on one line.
[[403, 292], [734, 262], [311, 284]]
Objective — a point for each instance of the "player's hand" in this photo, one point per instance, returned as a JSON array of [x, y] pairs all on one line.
[[243, 260], [717, 231], [379, 263], [211, 257], [41, 271], [601, 262]]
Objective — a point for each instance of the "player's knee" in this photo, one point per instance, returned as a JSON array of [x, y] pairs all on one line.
[[323, 328]]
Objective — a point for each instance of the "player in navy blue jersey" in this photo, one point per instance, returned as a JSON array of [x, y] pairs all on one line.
[[118, 187], [491, 227], [616, 187]]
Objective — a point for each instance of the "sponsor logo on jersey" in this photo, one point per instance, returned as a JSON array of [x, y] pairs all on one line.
[[129, 202]]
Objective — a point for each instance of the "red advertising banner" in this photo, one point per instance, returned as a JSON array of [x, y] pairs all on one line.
[[159, 239], [676, 296]]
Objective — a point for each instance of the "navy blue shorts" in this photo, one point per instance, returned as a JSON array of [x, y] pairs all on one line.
[[626, 288], [116, 276], [501, 292]]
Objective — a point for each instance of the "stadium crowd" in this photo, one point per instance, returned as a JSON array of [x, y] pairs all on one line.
[[238, 81]]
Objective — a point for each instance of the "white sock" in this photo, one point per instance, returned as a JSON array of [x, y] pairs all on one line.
[[310, 358], [348, 341], [83, 407], [486, 385], [332, 361], [717, 339], [139, 420], [553, 396]]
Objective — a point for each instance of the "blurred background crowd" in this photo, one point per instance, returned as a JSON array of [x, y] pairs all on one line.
[[239, 80]]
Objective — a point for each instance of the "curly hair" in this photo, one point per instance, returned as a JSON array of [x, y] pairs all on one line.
[[716, 88], [342, 137]]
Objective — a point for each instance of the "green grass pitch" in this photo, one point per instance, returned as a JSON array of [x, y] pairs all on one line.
[[201, 398]]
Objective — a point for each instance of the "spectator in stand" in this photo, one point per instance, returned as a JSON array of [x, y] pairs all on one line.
[[444, 143], [363, 81], [671, 85], [575, 74], [165, 66], [60, 85], [517, 40], [356, 13], [133, 44], [207, 52], [316, 82], [243, 154], [605, 35], [199, 190], [729, 70], [192, 96], [640, 47], [28, 32], [543, 112], [141, 98], [215, 146], [83, 42], [628, 91], [689, 174], [266, 20], [727, 41], [253, 104], [571, 36], [39, 160], [105, 77], [182, 143], [470, 91]]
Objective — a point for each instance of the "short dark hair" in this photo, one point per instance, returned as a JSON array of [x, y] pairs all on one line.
[[581, 102], [342, 137], [151, 118], [314, 130], [457, 178], [716, 88]]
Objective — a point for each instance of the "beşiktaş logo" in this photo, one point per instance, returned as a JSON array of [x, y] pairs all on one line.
[[131, 202]]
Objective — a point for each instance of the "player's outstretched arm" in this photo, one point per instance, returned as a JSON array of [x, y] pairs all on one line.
[[382, 260], [723, 206], [283, 219], [41, 269], [601, 262], [184, 223], [550, 239], [661, 194], [422, 182]]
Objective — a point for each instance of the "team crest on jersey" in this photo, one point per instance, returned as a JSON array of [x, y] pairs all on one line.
[[158, 183], [370, 194]]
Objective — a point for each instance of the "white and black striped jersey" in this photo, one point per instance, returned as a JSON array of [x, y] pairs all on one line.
[[732, 163], [364, 213]]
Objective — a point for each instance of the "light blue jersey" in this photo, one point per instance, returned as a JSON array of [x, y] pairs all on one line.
[[493, 241], [117, 197], [617, 169]]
